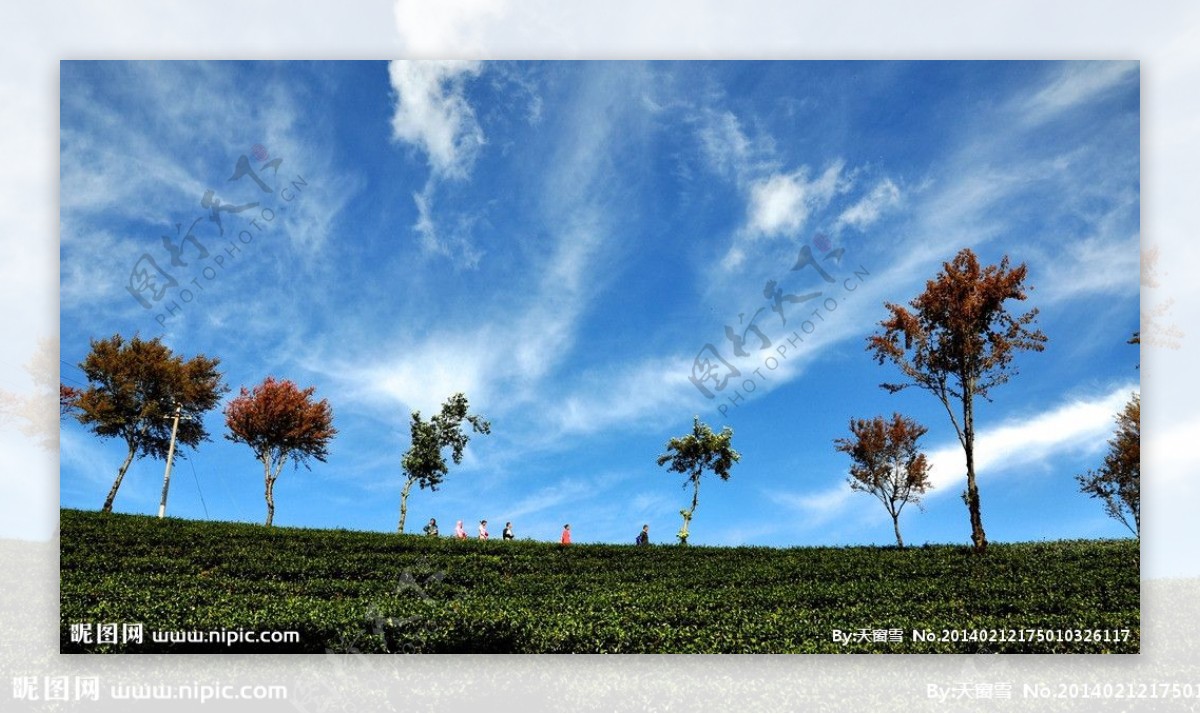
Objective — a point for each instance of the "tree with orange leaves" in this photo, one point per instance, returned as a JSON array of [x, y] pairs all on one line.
[[887, 463], [280, 421], [134, 386], [1119, 482], [958, 341]]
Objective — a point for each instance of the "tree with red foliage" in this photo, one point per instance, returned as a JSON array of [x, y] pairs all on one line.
[[280, 421], [887, 463], [958, 342], [68, 397]]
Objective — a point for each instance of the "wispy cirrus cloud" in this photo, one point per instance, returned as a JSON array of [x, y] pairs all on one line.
[[650, 392], [510, 347], [136, 166], [729, 151], [1095, 265], [1075, 84], [451, 241], [884, 197], [568, 490]]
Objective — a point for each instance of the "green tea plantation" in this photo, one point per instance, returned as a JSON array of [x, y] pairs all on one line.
[[196, 586]]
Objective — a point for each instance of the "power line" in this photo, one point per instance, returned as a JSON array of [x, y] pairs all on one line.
[[233, 506], [69, 379], [197, 480]]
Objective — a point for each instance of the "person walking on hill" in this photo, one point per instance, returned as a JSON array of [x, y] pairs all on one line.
[[483, 534], [508, 534], [643, 538], [566, 534], [460, 532], [431, 528]]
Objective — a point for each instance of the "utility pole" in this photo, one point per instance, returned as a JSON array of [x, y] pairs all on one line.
[[162, 505]]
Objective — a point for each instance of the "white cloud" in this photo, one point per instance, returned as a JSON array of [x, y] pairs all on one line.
[[425, 374], [1079, 424], [780, 204], [432, 112], [114, 168], [884, 196], [433, 115], [1078, 82]]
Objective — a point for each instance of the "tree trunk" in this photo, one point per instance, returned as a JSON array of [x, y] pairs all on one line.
[[270, 502], [687, 514], [270, 483], [112, 494], [896, 525], [978, 538], [404, 502]]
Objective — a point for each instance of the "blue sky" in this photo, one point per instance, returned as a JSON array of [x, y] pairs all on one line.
[[561, 240]]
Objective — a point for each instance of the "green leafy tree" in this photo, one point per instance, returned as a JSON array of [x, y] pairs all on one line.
[[133, 389], [280, 422], [1118, 483], [424, 463], [887, 463], [958, 342], [695, 453]]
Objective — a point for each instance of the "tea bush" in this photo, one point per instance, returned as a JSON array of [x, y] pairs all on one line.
[[347, 591]]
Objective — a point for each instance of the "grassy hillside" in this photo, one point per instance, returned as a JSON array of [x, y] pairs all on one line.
[[351, 591]]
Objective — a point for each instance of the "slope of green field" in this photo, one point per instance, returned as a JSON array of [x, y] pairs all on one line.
[[346, 591]]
